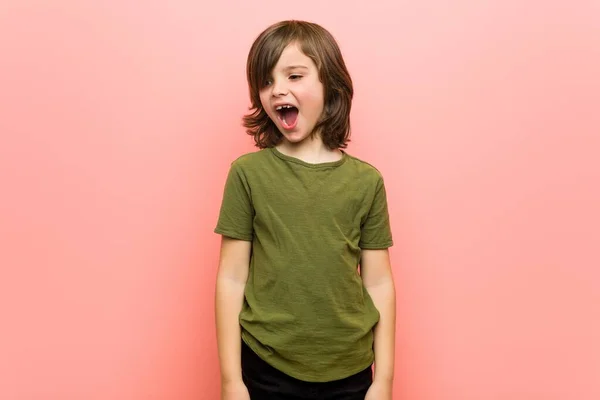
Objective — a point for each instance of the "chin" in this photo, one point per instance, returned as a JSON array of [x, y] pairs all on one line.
[[295, 138]]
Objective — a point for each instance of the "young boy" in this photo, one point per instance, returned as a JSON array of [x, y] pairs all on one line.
[[295, 318]]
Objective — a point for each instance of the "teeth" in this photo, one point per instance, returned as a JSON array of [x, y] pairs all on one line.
[[282, 107]]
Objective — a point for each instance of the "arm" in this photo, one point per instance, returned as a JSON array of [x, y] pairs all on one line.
[[232, 275], [376, 273]]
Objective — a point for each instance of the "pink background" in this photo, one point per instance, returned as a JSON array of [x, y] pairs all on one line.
[[119, 119]]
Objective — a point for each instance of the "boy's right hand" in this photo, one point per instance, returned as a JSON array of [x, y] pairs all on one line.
[[235, 391]]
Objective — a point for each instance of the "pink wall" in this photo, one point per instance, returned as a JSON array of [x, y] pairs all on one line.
[[118, 120]]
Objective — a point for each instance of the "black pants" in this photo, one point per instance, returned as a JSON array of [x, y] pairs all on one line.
[[267, 383]]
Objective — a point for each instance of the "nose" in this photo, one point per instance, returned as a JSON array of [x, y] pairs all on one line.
[[279, 88]]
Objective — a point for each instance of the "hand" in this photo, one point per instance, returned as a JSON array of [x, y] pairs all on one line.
[[379, 390], [235, 391]]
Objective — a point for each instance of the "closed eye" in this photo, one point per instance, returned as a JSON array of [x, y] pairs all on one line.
[[295, 77]]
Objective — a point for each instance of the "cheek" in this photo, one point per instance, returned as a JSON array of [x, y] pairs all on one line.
[[264, 104], [316, 102], [262, 101], [316, 96]]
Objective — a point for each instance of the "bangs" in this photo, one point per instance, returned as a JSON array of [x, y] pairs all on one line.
[[264, 62], [266, 52]]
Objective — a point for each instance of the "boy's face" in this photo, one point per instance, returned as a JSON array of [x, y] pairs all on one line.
[[294, 96]]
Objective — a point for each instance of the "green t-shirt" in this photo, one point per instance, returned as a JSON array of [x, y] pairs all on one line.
[[306, 311]]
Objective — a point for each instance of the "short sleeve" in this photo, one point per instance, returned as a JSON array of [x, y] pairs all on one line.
[[376, 231], [236, 213]]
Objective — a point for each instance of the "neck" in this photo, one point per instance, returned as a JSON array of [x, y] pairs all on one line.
[[310, 150]]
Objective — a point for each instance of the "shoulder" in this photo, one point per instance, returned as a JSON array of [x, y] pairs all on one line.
[[364, 169], [250, 160]]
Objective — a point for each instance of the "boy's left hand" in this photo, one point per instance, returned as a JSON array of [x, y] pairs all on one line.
[[379, 391]]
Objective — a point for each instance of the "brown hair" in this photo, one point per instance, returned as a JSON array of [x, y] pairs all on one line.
[[319, 45]]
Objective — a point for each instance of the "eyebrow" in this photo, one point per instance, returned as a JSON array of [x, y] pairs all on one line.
[[290, 67]]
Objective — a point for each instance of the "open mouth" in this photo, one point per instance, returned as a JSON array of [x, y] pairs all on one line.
[[288, 115]]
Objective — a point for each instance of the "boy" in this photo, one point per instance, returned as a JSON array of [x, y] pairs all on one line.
[[295, 319]]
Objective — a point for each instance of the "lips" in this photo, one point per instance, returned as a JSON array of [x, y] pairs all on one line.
[[287, 115]]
